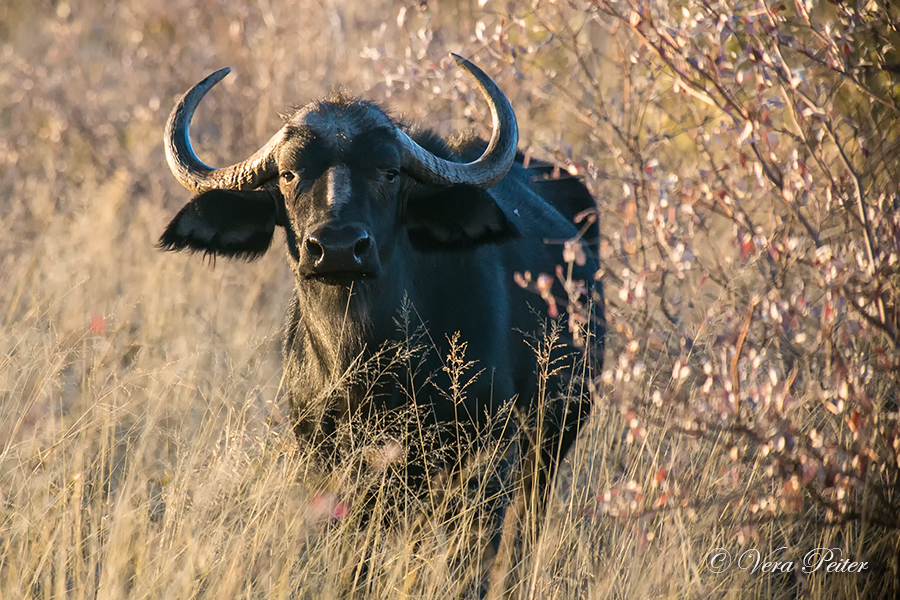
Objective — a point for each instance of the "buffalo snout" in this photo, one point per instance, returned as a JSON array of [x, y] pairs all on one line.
[[346, 251]]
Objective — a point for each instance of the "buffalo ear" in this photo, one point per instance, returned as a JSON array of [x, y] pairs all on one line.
[[224, 223], [458, 216]]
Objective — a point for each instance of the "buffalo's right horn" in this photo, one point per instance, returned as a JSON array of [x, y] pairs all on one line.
[[190, 171]]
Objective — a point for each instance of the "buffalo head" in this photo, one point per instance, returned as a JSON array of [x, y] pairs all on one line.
[[344, 181]]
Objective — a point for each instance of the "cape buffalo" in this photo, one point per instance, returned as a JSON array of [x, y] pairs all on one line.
[[380, 218]]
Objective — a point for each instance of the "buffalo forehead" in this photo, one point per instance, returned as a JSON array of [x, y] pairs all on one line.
[[327, 133], [341, 122], [364, 154]]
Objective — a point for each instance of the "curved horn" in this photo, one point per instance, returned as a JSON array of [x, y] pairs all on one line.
[[492, 166], [190, 171]]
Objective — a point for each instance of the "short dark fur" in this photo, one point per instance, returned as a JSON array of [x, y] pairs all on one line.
[[448, 253]]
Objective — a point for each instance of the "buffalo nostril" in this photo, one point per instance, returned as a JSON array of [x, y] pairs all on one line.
[[314, 248], [362, 246]]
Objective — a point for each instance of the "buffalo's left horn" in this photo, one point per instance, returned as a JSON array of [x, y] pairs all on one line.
[[190, 171], [496, 160]]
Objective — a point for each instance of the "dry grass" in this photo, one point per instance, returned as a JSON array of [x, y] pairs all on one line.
[[143, 451]]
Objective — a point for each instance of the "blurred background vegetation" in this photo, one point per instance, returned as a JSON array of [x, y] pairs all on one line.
[[744, 157]]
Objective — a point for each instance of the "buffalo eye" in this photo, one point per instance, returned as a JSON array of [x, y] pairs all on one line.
[[391, 176], [287, 176]]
